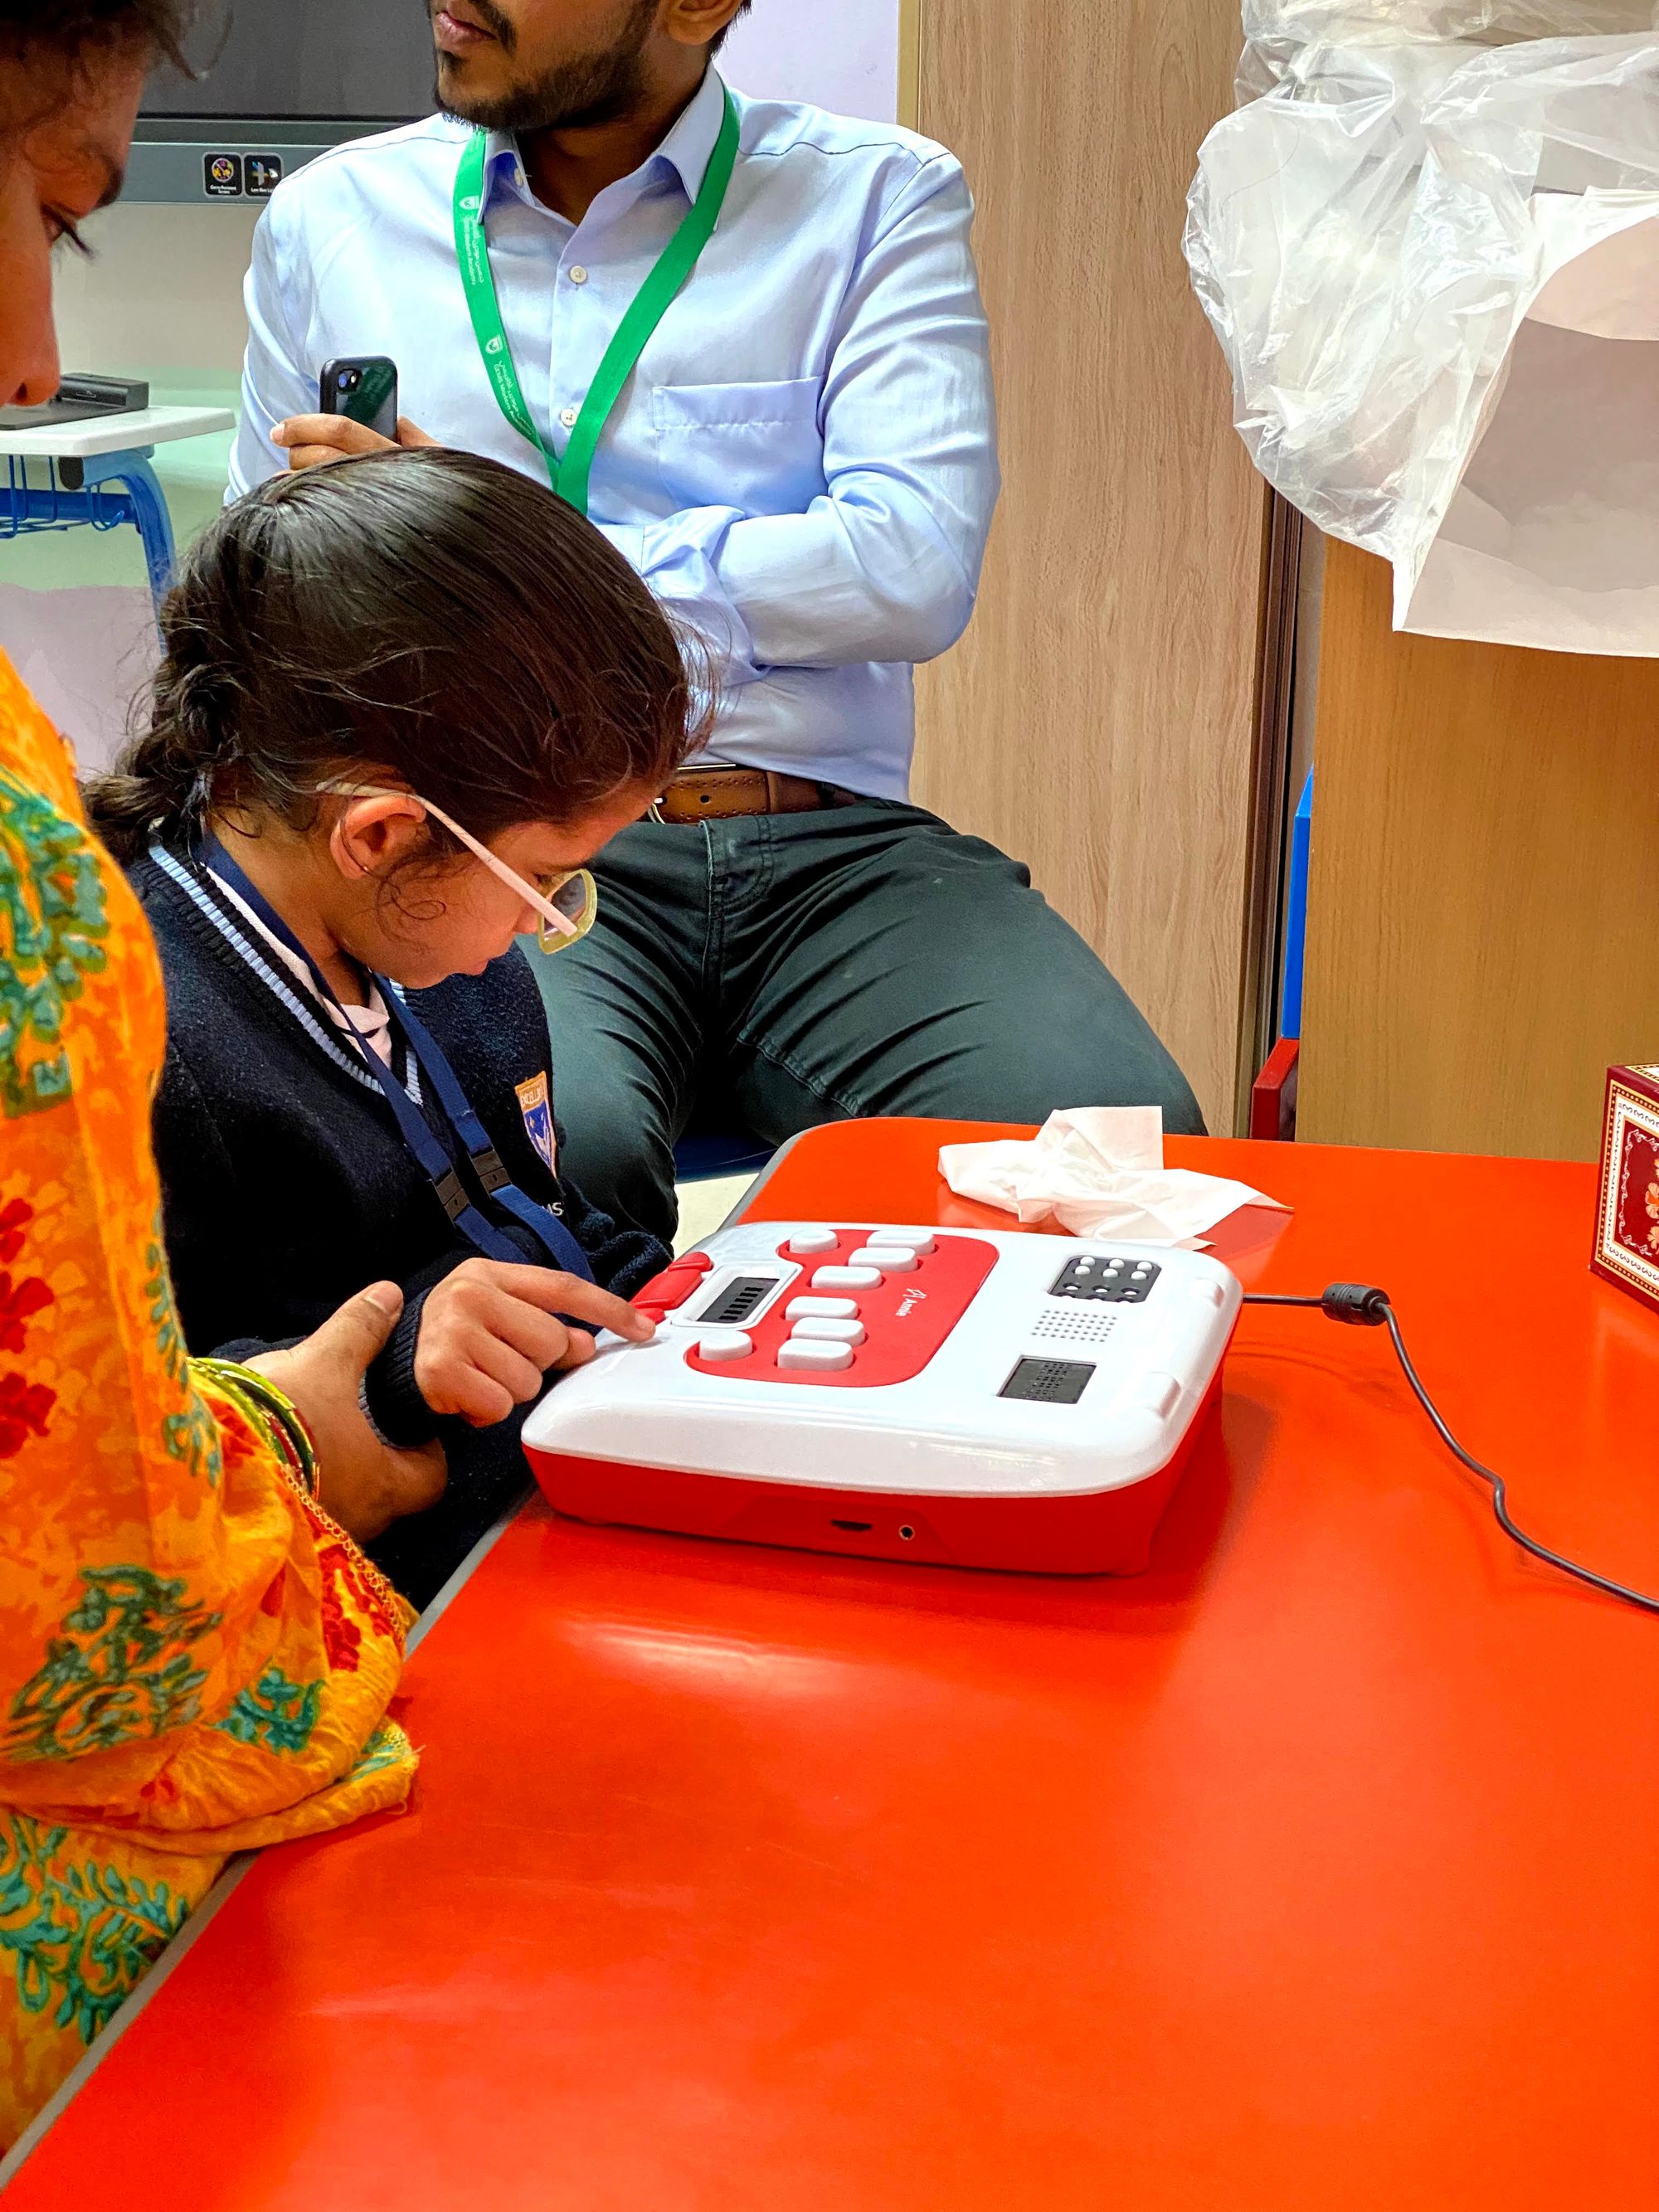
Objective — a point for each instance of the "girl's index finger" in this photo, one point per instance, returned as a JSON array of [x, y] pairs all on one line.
[[557, 1293]]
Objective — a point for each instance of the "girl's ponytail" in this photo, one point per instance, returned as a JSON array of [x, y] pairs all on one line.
[[162, 786]]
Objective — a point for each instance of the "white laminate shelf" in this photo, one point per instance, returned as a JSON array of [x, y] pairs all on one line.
[[116, 434]]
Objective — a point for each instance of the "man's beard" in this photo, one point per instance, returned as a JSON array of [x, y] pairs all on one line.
[[594, 89]]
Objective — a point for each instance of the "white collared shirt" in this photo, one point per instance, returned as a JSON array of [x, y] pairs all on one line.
[[804, 464], [371, 1024]]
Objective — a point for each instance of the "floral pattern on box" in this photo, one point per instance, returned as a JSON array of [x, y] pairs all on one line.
[[1627, 1219]]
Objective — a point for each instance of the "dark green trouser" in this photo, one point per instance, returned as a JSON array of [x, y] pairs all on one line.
[[783, 971]]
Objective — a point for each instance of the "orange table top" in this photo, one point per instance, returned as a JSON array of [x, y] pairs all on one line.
[[1317, 1870]]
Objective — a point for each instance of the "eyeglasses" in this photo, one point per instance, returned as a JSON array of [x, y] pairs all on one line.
[[568, 903]]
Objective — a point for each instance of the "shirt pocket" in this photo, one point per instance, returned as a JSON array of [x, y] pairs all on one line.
[[753, 446]]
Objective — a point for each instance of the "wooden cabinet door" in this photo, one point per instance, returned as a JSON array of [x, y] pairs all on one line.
[[1485, 880], [1100, 719]]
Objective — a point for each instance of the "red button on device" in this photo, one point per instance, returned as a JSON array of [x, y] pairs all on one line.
[[670, 1289]]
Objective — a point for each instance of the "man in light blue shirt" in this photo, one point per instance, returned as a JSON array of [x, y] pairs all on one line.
[[803, 466]]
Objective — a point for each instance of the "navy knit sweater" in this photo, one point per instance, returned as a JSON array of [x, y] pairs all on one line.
[[287, 1186]]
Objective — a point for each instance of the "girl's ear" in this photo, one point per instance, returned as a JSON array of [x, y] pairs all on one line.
[[372, 835]]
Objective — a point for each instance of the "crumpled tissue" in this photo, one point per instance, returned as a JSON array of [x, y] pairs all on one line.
[[1095, 1169]]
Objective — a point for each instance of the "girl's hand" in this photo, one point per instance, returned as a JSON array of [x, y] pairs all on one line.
[[490, 1332], [312, 440], [365, 1485]]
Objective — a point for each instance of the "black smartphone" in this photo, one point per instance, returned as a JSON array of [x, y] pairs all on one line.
[[365, 389]]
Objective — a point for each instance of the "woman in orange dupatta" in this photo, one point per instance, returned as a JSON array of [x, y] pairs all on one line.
[[195, 1658]]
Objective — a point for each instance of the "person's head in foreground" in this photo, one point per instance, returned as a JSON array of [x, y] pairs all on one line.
[[70, 74], [412, 694]]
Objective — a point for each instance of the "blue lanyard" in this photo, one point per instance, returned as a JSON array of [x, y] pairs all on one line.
[[555, 1239]]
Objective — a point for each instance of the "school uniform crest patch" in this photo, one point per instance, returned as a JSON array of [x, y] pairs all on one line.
[[537, 1107]]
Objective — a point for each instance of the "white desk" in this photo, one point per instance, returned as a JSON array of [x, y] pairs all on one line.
[[110, 451], [143, 431]]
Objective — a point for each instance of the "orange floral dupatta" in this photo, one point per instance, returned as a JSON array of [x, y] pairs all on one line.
[[193, 1659]]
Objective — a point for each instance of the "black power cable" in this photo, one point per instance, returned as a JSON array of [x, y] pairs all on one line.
[[1361, 1306]]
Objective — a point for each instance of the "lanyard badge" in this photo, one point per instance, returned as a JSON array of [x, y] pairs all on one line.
[[569, 476]]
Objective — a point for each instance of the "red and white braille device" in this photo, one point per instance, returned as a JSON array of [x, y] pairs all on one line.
[[969, 1398]]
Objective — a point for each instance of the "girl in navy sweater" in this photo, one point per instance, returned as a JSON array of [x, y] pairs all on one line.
[[405, 699]]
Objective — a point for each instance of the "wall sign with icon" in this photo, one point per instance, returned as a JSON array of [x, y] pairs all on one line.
[[240, 176]]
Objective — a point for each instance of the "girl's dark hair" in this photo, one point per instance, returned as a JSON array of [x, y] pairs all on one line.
[[429, 616]]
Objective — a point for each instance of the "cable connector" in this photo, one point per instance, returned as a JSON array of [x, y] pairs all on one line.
[[1361, 1305]]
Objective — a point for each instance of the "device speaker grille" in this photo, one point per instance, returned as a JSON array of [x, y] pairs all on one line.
[[1076, 1325]]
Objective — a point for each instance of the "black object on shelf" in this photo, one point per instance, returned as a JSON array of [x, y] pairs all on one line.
[[81, 398]]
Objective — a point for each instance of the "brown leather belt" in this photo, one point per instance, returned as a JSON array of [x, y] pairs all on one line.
[[720, 793]]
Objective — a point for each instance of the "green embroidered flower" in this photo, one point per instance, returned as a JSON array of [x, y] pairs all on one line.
[[192, 1437], [387, 1747], [276, 1712], [164, 1318], [83, 1936], [120, 1668], [52, 911]]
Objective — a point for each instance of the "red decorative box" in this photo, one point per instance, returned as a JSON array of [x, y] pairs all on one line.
[[1627, 1220]]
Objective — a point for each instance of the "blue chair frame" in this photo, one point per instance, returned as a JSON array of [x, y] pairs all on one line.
[[1273, 1095], [110, 491], [1296, 914]]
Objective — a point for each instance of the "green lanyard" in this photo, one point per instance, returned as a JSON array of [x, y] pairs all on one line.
[[622, 357]]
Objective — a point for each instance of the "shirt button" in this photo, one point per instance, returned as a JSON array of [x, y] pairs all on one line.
[[579, 275], [568, 417]]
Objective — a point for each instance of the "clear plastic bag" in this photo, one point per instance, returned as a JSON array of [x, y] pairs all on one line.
[[1433, 267], [1480, 22], [1277, 31]]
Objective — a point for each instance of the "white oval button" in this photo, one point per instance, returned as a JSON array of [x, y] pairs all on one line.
[[822, 1309], [579, 275], [726, 1344], [568, 417], [914, 1240], [846, 1278], [891, 1259], [828, 1332], [804, 1241], [825, 1359]]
